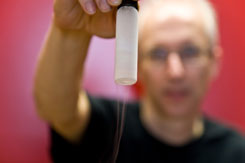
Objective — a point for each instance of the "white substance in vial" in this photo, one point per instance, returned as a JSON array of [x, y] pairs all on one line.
[[126, 46]]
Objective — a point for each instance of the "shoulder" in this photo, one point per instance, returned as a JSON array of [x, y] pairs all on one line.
[[225, 139], [217, 130], [102, 102], [102, 108], [110, 107]]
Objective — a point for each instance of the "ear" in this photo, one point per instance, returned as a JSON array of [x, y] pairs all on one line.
[[217, 61]]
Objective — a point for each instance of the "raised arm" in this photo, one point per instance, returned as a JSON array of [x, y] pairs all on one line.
[[59, 99]]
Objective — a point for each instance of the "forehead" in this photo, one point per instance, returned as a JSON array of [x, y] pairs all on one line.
[[173, 24]]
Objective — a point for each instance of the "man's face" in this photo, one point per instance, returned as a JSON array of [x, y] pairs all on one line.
[[176, 65]]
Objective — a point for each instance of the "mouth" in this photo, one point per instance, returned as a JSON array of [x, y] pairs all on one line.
[[176, 94]]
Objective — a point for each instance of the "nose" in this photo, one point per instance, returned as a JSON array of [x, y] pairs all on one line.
[[175, 68]]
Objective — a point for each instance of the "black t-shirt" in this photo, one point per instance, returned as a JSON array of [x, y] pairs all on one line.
[[217, 145]]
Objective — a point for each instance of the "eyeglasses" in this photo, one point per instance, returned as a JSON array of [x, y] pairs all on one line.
[[189, 54]]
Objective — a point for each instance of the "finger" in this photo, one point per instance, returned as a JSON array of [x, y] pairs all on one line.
[[103, 5], [114, 2], [88, 6]]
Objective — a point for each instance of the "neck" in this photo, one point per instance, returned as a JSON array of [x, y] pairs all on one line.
[[174, 131]]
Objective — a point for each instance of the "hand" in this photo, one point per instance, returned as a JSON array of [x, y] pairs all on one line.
[[96, 17]]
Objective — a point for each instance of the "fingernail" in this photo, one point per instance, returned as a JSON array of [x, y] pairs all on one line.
[[90, 7], [116, 2], [104, 6]]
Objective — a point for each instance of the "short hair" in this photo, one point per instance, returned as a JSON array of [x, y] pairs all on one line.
[[204, 7]]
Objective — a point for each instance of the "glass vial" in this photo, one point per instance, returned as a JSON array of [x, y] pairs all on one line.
[[126, 44]]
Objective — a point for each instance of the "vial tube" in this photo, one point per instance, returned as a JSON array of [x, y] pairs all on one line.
[[126, 45]]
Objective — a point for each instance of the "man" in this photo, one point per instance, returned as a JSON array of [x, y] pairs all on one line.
[[179, 55]]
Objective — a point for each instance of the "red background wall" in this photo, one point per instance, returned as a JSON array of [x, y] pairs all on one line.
[[24, 138]]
